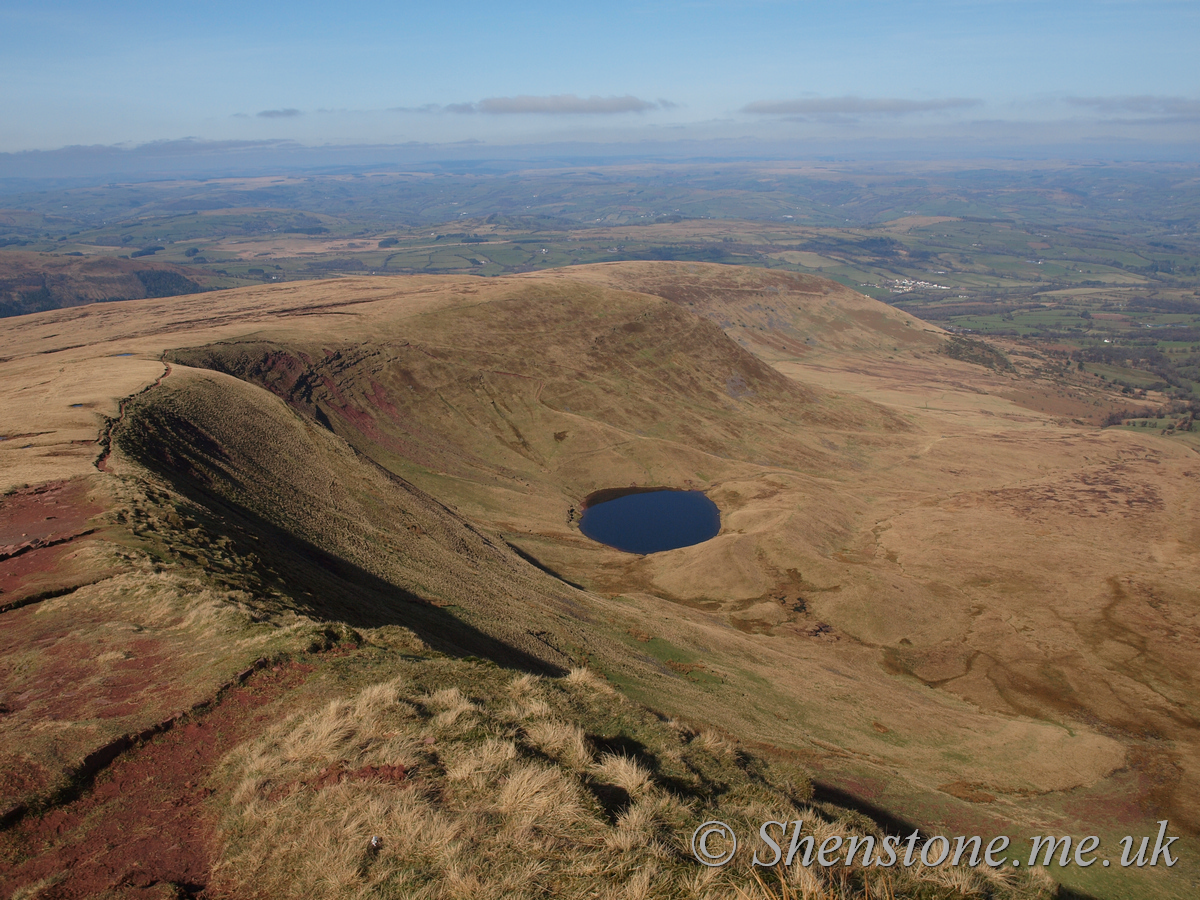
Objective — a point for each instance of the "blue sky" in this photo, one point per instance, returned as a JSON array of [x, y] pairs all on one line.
[[976, 72]]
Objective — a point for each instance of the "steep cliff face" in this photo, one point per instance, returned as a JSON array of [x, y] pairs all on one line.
[[553, 392], [339, 538]]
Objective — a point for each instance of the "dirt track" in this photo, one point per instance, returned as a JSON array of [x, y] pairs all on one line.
[[106, 437]]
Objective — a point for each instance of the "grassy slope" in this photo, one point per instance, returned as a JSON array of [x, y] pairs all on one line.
[[499, 394], [510, 406], [339, 538], [424, 382], [562, 786], [558, 785]]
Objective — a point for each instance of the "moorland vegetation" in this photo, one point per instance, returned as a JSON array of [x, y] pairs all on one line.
[[291, 566]]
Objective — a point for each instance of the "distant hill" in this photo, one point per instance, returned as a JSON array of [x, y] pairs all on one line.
[[36, 282], [773, 314]]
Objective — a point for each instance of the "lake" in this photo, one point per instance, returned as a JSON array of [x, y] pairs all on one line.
[[651, 521]]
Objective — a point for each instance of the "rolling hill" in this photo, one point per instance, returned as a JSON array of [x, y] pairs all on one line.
[[249, 506]]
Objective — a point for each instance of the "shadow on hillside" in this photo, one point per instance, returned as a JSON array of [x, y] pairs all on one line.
[[827, 793], [311, 580], [537, 563], [893, 824], [329, 587]]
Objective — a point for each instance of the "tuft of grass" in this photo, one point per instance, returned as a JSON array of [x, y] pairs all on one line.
[[455, 780]]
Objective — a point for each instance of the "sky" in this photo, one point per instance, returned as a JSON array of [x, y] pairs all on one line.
[[980, 75]]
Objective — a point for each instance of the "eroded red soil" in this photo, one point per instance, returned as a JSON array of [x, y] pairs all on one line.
[[40, 528], [46, 512], [69, 681], [144, 826]]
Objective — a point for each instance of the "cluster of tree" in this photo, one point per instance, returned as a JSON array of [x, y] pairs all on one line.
[[1184, 413], [465, 238], [1153, 303], [1156, 267], [876, 246], [684, 253], [302, 223], [335, 265], [975, 351], [880, 246], [31, 301], [1178, 374], [159, 283]]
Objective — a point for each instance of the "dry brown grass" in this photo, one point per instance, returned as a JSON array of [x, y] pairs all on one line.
[[506, 796], [852, 884], [1007, 559]]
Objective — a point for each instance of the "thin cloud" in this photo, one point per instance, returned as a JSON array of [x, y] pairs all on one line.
[[1174, 108], [557, 105], [828, 107], [279, 113]]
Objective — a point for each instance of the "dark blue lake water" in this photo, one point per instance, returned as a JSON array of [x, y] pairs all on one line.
[[653, 521]]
